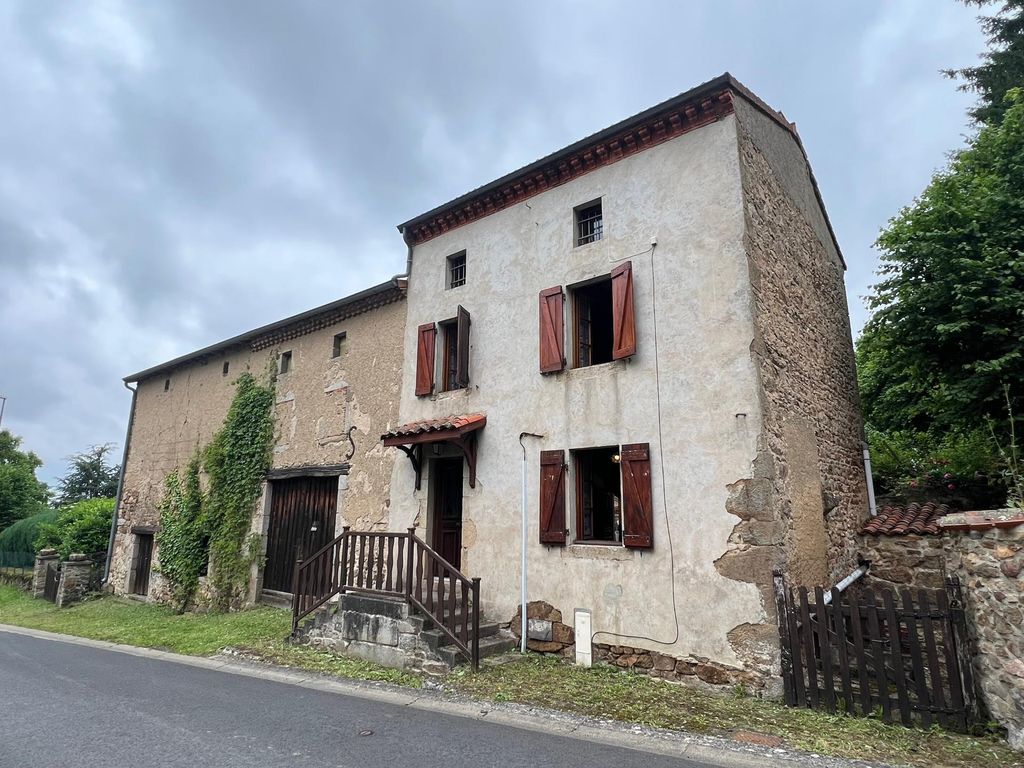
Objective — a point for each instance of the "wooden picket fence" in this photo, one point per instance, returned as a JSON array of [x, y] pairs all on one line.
[[874, 652]]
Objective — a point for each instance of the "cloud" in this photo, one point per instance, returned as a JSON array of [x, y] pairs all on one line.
[[172, 174]]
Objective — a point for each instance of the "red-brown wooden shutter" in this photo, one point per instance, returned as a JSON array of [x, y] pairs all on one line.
[[552, 497], [623, 314], [637, 512], [552, 330], [462, 348], [425, 337]]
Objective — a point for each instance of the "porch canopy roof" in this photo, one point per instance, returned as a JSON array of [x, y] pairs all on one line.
[[460, 431]]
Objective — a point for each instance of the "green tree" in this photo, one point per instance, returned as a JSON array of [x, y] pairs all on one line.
[[83, 527], [1002, 67], [948, 322], [21, 493], [90, 477]]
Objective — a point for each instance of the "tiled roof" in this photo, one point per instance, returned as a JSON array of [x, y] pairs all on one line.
[[465, 423], [919, 519]]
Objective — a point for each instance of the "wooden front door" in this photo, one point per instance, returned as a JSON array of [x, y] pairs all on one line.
[[143, 563], [448, 510], [297, 506]]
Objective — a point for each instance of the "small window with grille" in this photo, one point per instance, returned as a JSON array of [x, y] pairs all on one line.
[[457, 269], [589, 223]]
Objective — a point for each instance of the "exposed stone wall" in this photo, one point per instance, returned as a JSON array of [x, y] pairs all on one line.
[[990, 565], [689, 669], [911, 561], [545, 630], [812, 424], [318, 401], [374, 629], [76, 580]]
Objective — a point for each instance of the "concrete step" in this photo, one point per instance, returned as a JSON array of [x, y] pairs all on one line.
[[436, 639], [493, 645], [276, 599]]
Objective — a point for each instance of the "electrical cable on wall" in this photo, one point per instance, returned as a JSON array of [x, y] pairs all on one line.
[[661, 463]]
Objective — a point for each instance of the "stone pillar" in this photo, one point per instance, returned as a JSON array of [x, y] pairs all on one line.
[[74, 580], [43, 560]]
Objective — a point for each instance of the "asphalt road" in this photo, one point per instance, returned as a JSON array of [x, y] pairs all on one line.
[[70, 705]]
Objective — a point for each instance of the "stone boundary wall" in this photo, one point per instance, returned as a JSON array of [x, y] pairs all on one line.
[[79, 576], [989, 562], [905, 561]]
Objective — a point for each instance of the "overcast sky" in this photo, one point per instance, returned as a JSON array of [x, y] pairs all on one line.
[[174, 173]]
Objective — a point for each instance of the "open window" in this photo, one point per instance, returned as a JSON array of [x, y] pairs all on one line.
[[598, 495], [603, 319], [592, 323], [454, 357], [613, 498]]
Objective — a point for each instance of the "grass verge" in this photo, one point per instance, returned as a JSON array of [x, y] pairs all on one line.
[[259, 632], [605, 692]]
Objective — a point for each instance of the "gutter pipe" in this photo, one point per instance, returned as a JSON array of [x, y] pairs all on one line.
[[842, 586], [120, 483], [871, 482]]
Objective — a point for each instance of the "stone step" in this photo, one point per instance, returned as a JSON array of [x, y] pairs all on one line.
[[276, 599], [493, 645], [436, 639]]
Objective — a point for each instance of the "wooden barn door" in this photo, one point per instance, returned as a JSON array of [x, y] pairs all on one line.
[[297, 506]]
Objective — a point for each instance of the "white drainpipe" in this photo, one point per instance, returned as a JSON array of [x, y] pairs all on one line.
[[870, 479]]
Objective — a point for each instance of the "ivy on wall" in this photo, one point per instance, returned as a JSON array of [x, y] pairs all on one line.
[[182, 535], [234, 464]]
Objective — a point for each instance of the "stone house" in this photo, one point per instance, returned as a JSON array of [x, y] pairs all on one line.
[[643, 337], [653, 323], [339, 369]]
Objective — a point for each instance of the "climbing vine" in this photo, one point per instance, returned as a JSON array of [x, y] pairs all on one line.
[[236, 462], [197, 527], [183, 533]]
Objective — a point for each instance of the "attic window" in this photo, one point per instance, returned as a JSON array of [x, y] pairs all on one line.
[[339, 342], [589, 223], [167, 385], [285, 364], [457, 269], [225, 369]]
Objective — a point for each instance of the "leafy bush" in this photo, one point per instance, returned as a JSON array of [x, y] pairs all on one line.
[[961, 467], [83, 527], [17, 543]]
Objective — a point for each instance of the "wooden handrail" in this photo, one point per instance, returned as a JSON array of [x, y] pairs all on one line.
[[396, 565]]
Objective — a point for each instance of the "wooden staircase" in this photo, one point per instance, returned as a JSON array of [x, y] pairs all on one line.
[[399, 566]]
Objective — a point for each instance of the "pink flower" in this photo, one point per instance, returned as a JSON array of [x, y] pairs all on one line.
[[947, 476], [913, 483], [952, 486]]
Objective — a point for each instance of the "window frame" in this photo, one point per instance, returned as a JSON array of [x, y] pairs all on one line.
[[578, 497], [578, 302], [284, 364], [451, 265], [595, 233], [449, 332], [337, 343]]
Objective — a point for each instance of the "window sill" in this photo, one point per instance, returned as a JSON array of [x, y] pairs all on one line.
[[598, 550], [450, 394]]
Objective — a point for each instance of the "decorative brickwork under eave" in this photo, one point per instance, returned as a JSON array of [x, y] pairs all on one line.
[[657, 129]]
